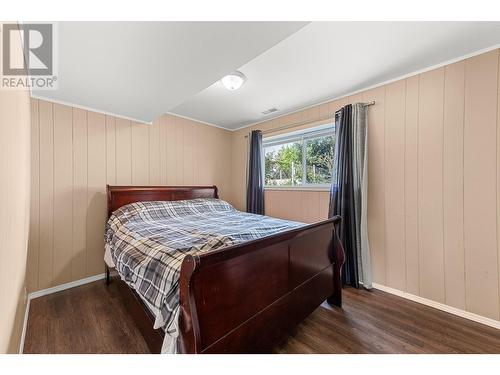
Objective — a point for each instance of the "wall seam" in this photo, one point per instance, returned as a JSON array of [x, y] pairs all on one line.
[[496, 161], [442, 183], [38, 193], [72, 191], [53, 188], [463, 183], [404, 187], [418, 177]]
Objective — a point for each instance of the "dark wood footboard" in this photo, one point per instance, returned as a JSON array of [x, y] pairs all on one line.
[[245, 298]]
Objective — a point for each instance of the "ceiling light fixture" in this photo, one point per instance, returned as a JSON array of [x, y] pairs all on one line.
[[233, 81]]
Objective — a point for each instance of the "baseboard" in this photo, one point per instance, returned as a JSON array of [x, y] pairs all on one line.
[[440, 306], [71, 284], [44, 292]]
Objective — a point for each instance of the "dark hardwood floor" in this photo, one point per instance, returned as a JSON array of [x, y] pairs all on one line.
[[92, 319]]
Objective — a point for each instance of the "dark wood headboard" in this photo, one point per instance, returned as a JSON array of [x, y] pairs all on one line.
[[119, 196]]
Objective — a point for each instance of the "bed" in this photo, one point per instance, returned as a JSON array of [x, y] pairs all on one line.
[[199, 276]]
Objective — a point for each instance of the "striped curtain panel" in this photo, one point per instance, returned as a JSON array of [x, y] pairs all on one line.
[[255, 179], [349, 192]]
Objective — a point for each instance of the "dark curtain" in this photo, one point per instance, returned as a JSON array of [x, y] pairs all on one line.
[[342, 194], [255, 184]]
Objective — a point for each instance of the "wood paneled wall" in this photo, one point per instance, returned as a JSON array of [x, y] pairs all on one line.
[[434, 183], [14, 203], [75, 153]]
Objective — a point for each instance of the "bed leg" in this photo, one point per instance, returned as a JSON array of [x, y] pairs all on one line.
[[336, 298], [107, 276]]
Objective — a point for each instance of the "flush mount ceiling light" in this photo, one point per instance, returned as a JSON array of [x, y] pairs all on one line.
[[233, 81]]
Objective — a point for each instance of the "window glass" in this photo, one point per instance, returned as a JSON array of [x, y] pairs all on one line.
[[319, 160], [301, 159], [284, 164]]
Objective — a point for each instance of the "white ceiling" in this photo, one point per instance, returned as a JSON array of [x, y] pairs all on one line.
[[325, 60], [141, 70]]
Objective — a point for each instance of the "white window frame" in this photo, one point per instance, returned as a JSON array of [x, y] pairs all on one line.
[[301, 136]]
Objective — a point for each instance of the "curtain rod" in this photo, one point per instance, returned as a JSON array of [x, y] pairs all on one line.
[[284, 127]]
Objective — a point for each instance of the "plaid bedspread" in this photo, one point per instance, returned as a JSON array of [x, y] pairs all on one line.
[[149, 240]]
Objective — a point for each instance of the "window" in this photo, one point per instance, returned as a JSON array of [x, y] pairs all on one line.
[[300, 159]]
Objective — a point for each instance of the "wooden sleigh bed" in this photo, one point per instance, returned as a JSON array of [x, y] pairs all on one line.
[[243, 298]]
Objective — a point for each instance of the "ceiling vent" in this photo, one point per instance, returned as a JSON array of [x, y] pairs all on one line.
[[270, 110]]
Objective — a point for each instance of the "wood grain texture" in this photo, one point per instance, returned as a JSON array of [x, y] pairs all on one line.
[[379, 323], [75, 153], [434, 182], [84, 320], [369, 322]]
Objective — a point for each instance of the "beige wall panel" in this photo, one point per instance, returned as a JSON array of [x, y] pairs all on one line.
[[376, 182], [271, 208], [480, 184], [203, 151], [123, 152], [356, 98], [453, 178], [430, 185], [324, 203], [110, 150], [171, 157], [140, 153], [63, 192], [163, 150], [187, 153], [395, 112], [80, 199], [225, 156], [294, 210], [282, 202], [309, 208], [211, 167], [178, 151], [96, 193], [312, 113], [198, 156], [324, 110], [411, 186], [154, 153], [34, 232], [239, 150], [335, 105], [46, 256]]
